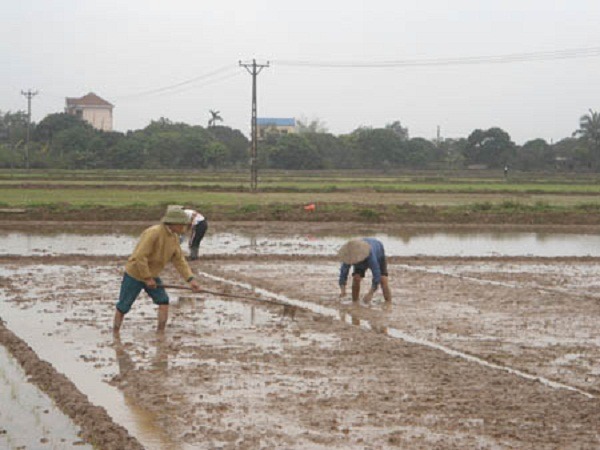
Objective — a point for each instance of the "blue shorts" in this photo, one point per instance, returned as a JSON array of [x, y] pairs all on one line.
[[131, 288], [361, 267]]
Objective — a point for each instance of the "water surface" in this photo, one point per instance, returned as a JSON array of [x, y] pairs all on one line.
[[456, 243]]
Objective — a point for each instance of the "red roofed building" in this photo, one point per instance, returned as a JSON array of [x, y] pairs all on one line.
[[93, 109]]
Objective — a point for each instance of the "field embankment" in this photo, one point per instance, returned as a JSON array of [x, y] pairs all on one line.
[[458, 198]]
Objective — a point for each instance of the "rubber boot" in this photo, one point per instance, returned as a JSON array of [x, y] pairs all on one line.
[[193, 253]]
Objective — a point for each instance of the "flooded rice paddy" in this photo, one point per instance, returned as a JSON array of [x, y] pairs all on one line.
[[457, 243], [473, 352], [28, 418]]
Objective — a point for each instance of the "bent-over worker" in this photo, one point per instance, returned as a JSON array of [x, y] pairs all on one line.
[[198, 227], [157, 246], [363, 254]]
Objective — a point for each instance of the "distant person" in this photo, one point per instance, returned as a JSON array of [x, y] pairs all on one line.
[[198, 227], [363, 254], [157, 246], [505, 171]]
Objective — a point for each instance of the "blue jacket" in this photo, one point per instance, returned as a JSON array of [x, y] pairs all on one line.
[[376, 254]]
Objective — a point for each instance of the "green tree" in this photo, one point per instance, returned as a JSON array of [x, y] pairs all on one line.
[[397, 128], [13, 134], [536, 154], [378, 147], [73, 148], [333, 151], [196, 149], [13, 126], [54, 123], [216, 155], [420, 152], [178, 145], [8, 156], [304, 125], [127, 153], [236, 143], [567, 154], [293, 151], [452, 152], [491, 147], [69, 142]]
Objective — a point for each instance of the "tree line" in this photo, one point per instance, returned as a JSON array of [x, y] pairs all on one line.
[[62, 141]]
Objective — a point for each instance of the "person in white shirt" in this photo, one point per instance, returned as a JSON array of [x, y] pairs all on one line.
[[198, 227]]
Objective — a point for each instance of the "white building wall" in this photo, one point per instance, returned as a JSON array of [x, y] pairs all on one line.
[[99, 118]]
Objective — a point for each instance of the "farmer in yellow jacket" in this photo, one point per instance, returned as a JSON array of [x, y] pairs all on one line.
[[157, 246]]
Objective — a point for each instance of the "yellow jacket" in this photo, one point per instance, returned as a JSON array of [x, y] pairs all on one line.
[[157, 246]]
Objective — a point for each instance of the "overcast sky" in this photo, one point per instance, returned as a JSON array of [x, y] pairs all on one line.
[[179, 59]]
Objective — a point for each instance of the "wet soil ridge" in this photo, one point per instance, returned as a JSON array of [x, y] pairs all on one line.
[[326, 212], [282, 300], [97, 428]]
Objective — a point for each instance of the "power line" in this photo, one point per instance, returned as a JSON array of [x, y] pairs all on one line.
[[207, 83], [455, 61], [177, 85]]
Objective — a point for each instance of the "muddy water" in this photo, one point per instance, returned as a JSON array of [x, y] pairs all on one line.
[[70, 307], [47, 327], [28, 418], [462, 243], [351, 315], [77, 321], [71, 361]]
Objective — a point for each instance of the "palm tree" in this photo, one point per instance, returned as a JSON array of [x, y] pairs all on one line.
[[215, 118], [589, 130]]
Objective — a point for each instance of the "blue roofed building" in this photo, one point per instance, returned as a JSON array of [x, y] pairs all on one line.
[[268, 125]]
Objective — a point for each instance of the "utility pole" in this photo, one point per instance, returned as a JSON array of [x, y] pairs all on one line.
[[254, 69], [29, 96]]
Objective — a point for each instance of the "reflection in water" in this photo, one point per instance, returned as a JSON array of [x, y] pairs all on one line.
[[197, 304], [381, 329], [189, 304], [145, 419], [160, 361], [289, 311], [124, 361]]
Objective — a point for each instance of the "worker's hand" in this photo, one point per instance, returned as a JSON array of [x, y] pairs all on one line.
[[150, 283], [342, 291], [195, 286], [368, 296]]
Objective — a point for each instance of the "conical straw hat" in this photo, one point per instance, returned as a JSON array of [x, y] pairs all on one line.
[[175, 215], [354, 251]]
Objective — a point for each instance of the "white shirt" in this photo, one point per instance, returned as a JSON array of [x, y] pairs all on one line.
[[194, 216]]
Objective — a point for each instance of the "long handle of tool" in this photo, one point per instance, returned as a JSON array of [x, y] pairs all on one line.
[[224, 294], [174, 286], [201, 291]]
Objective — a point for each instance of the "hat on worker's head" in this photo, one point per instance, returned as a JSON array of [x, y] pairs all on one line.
[[175, 215], [354, 251]]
